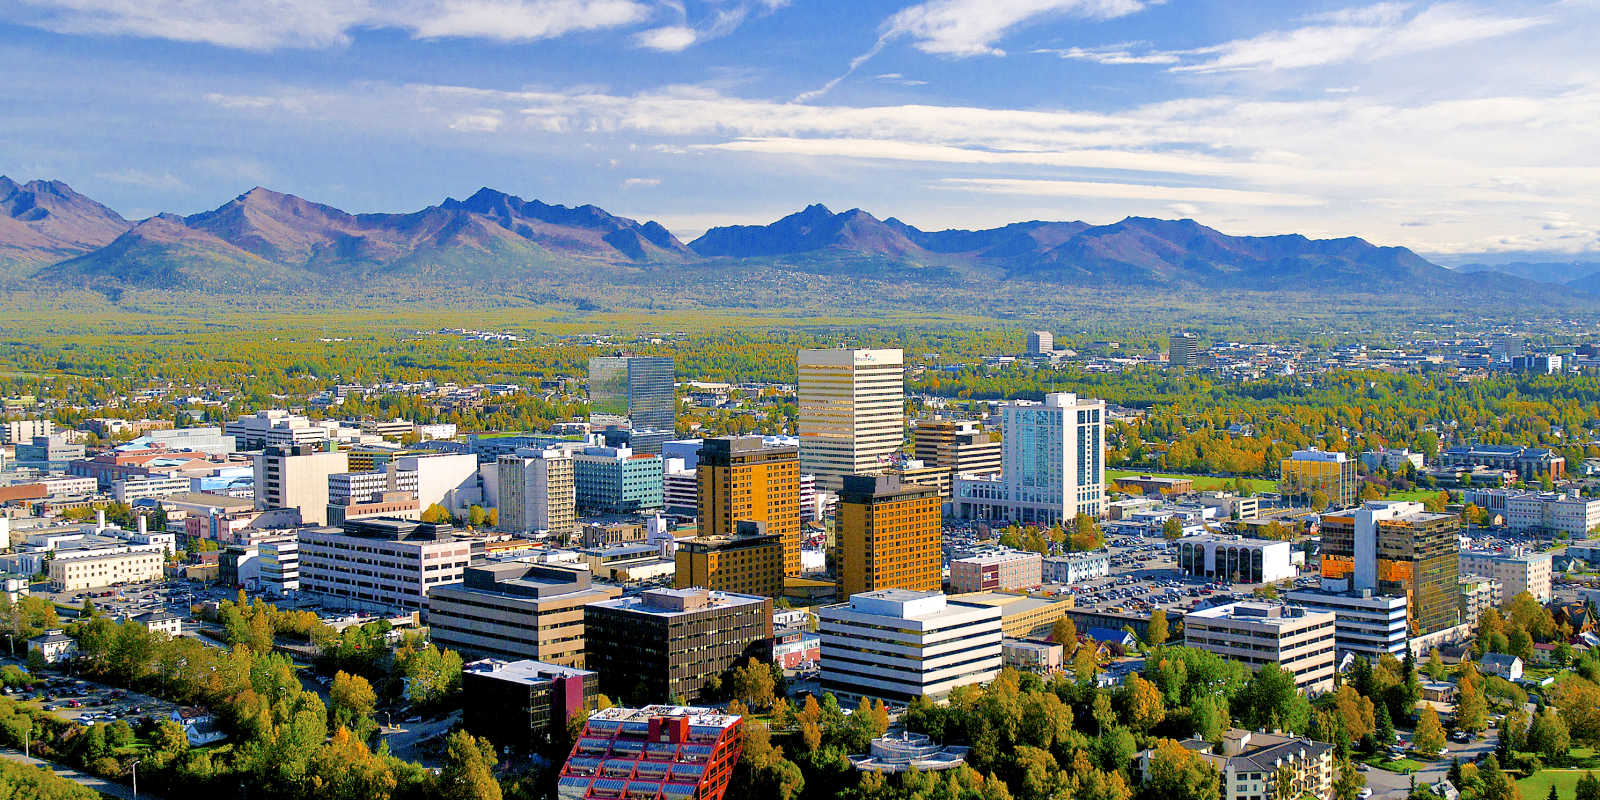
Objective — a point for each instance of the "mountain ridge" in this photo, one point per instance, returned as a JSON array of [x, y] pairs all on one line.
[[266, 241]]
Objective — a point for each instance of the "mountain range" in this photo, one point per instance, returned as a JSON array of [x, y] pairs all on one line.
[[264, 241]]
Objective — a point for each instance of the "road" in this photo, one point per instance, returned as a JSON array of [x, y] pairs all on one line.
[[1392, 786], [100, 785], [406, 740]]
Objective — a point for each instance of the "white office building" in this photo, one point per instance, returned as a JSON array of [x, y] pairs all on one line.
[[132, 490], [1517, 571], [1299, 640], [851, 412], [1364, 624], [1052, 465], [386, 564], [1236, 559], [1075, 567], [896, 644], [538, 492], [680, 490]]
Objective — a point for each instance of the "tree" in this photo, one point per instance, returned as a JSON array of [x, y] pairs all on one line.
[[1383, 726], [1176, 773], [1283, 784], [1156, 633], [1065, 633], [1348, 785], [1548, 736], [1319, 500], [351, 702], [436, 514], [1141, 703], [1084, 666], [476, 516], [1435, 667], [1472, 708], [753, 684], [468, 769], [1588, 787], [1268, 698], [1172, 529], [1496, 786], [1429, 738]]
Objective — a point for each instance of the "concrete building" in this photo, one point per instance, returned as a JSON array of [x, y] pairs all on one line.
[[1393, 459], [1021, 616], [742, 479], [1297, 639], [516, 610], [616, 480], [680, 490], [525, 704], [20, 431], [639, 390], [48, 453], [1517, 571], [1052, 467], [1397, 548], [962, 447], [897, 645], [538, 492], [888, 536], [670, 642], [1364, 624], [1249, 762], [1308, 472], [209, 440], [750, 561], [852, 412], [385, 564], [95, 571], [131, 491], [1152, 486], [1553, 513], [1235, 559], [1530, 463], [1075, 567], [997, 570], [1041, 343], [297, 477], [1183, 350], [1027, 655], [274, 428]]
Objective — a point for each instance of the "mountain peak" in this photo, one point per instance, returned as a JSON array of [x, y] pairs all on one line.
[[47, 221]]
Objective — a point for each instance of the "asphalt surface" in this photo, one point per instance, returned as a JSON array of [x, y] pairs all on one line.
[[1387, 785]]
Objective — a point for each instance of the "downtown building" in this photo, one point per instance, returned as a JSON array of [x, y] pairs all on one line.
[[1052, 466], [742, 479], [669, 643], [638, 391], [851, 412], [297, 477], [659, 752], [1397, 548], [897, 645], [888, 535], [538, 492], [386, 564], [1299, 640], [1307, 472], [516, 610]]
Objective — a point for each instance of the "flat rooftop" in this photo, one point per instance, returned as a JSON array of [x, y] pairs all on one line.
[[696, 714], [527, 672]]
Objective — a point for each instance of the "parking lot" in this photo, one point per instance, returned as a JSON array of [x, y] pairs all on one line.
[[88, 702]]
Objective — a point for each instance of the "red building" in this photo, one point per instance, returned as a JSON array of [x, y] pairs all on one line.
[[652, 753]]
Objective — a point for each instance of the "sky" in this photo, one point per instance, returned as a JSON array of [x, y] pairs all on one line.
[[1464, 130]]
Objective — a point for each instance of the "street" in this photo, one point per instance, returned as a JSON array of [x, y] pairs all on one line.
[[1387, 785], [102, 786]]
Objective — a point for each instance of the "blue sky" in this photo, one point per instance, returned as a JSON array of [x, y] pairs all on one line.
[[1455, 128]]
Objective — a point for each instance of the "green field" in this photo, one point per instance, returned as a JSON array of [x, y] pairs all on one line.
[[1537, 785], [1202, 482]]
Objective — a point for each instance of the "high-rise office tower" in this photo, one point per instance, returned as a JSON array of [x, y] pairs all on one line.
[[1052, 464], [297, 477], [538, 492], [639, 389], [960, 446], [888, 534], [1041, 343], [1397, 548], [743, 480], [1306, 472], [1183, 350], [852, 412]]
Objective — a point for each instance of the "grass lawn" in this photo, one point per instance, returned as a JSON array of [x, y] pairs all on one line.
[[1404, 766], [1537, 786], [1201, 482], [1414, 495]]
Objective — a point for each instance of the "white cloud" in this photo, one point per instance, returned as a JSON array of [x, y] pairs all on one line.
[[1112, 54], [1358, 35], [485, 122], [641, 183], [1126, 191], [899, 80], [273, 24], [158, 181], [668, 39], [964, 28]]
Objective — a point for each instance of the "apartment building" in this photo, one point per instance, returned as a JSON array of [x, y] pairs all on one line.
[[516, 610], [1249, 763], [19, 431], [1530, 463], [1397, 548], [389, 564], [297, 477], [1299, 640], [1517, 571], [851, 412], [72, 573], [1479, 594], [897, 645], [888, 535], [671, 642], [744, 479], [749, 562], [538, 492], [1075, 567], [1052, 465], [1308, 472], [996, 570]]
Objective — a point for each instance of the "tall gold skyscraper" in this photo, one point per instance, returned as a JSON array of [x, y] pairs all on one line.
[[740, 478], [888, 536], [852, 412], [1397, 548]]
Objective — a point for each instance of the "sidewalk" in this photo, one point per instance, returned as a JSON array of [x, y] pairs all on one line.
[[100, 785]]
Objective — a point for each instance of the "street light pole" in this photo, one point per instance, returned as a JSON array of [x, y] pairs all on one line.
[[27, 739], [136, 779]]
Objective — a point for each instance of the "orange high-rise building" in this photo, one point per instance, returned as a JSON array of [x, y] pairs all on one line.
[[742, 479]]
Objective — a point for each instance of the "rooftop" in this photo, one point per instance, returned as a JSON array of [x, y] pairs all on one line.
[[672, 602], [696, 714], [526, 672]]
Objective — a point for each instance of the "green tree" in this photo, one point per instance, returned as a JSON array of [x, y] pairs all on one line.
[[468, 772], [1548, 736], [1429, 737], [1588, 787], [351, 702], [476, 516], [1348, 785], [1172, 529], [1176, 773], [1141, 704], [1319, 500], [1156, 633]]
